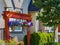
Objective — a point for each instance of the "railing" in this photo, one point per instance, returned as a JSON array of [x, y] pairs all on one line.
[[2, 33], [15, 10]]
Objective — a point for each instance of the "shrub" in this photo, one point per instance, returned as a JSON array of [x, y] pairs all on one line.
[[43, 38], [12, 43], [2, 42], [40, 39], [25, 40], [35, 39], [58, 43]]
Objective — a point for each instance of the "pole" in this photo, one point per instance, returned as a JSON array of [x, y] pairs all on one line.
[[7, 33], [28, 36]]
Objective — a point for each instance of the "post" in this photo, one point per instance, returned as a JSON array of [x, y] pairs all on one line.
[[7, 33], [28, 36], [56, 35]]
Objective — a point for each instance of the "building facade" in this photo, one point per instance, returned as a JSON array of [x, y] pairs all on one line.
[[27, 8]]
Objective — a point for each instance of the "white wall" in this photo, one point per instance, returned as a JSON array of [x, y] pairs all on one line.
[[35, 26], [8, 3], [25, 6], [22, 4], [1, 9], [2, 24], [18, 3], [1, 19]]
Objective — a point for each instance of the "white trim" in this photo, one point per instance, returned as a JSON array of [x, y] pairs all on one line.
[[58, 33]]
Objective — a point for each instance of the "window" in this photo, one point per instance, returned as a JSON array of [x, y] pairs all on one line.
[[16, 28]]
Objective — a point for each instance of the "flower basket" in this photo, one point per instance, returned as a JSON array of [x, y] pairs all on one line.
[[13, 24]]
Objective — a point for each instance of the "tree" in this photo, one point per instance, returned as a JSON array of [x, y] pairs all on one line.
[[49, 14]]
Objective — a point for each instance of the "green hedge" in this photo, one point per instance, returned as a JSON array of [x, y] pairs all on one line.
[[58, 43], [35, 38], [40, 39], [46, 38]]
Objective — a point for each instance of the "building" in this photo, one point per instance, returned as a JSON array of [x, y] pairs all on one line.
[[27, 8]]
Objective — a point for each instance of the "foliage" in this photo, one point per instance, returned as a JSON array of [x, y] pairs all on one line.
[[12, 43], [35, 39], [18, 23], [3, 42], [46, 38], [40, 39], [25, 40], [49, 13], [58, 43]]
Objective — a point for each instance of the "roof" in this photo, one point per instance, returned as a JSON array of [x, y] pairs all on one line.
[[33, 7]]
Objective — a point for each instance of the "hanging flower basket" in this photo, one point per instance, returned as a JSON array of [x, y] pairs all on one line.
[[27, 24], [30, 24], [12, 24], [17, 23]]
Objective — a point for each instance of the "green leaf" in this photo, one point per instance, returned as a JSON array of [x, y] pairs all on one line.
[[51, 11]]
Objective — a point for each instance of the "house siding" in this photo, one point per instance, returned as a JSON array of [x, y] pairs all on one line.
[[1, 18], [25, 6], [2, 5], [35, 26], [22, 4]]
